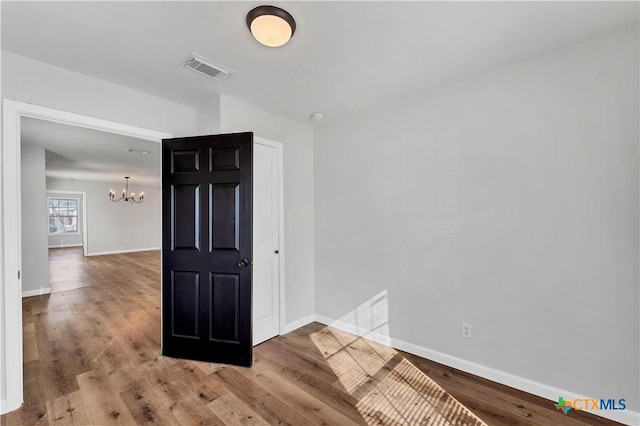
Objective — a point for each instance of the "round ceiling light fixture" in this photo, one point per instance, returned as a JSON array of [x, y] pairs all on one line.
[[271, 25]]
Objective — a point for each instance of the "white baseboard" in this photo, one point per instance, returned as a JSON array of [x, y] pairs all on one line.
[[7, 405], [530, 386], [11, 402], [66, 245], [102, 253], [36, 292], [294, 325]]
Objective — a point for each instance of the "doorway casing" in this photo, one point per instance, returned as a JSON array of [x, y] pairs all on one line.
[[11, 371], [11, 380]]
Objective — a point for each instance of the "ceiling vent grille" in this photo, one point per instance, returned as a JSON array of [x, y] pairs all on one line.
[[208, 68]]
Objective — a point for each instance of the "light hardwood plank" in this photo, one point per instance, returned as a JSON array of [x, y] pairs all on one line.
[[234, 412], [101, 400]]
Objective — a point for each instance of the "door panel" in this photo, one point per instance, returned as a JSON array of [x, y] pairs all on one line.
[[225, 221], [185, 294], [185, 161], [207, 186], [225, 159], [225, 292], [186, 218]]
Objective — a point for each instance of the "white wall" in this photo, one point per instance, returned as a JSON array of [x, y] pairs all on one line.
[[508, 201], [28, 80], [117, 227], [67, 240], [35, 257], [209, 117], [298, 196]]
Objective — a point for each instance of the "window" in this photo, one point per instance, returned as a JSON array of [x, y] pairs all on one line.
[[63, 216]]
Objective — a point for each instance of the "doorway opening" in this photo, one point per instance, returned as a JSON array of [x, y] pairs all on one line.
[[13, 113], [10, 252]]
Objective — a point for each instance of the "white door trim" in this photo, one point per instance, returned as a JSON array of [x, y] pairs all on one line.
[[84, 214], [10, 255], [280, 148]]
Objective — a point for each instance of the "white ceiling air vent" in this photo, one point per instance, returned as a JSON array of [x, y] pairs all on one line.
[[208, 68]]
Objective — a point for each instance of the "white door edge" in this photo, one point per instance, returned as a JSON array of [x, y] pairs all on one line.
[[281, 255]]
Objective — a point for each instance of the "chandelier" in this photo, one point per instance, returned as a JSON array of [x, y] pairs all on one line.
[[126, 198]]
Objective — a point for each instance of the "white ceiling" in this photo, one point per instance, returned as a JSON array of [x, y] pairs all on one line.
[[344, 56], [85, 154]]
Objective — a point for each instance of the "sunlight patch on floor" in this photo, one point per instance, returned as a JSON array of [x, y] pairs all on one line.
[[390, 390]]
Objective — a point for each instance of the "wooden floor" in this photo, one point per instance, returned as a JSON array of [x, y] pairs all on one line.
[[92, 356]]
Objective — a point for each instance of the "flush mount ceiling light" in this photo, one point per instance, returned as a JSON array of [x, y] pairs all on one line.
[[271, 25]]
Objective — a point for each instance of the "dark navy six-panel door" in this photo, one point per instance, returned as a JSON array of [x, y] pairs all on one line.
[[207, 248]]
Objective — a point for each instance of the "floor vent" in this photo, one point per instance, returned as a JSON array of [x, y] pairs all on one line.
[[208, 68]]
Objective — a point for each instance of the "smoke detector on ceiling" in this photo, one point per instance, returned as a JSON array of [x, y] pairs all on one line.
[[316, 116], [206, 67]]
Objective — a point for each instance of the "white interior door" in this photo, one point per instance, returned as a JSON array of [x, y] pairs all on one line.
[[266, 231]]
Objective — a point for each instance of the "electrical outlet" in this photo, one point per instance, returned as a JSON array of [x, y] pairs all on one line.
[[466, 330], [128, 241]]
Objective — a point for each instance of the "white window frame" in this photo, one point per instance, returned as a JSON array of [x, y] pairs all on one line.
[[78, 221]]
